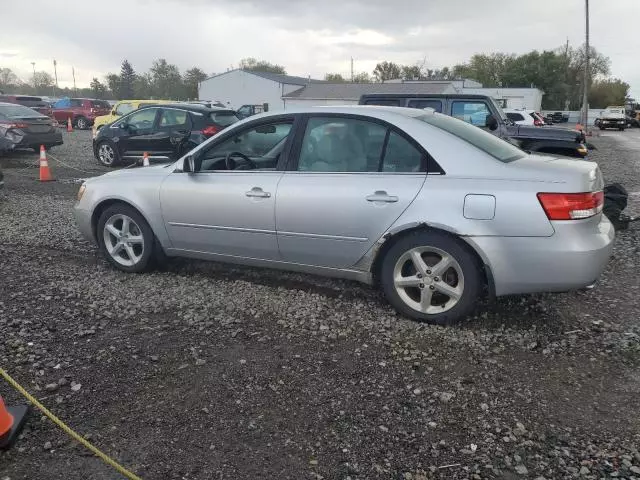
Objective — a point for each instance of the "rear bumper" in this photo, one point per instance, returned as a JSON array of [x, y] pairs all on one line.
[[12, 140], [572, 258]]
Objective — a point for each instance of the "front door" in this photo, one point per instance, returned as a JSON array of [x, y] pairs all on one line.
[[135, 134], [228, 206], [173, 130], [352, 179]]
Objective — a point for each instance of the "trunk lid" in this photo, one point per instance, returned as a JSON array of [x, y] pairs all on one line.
[[562, 174]]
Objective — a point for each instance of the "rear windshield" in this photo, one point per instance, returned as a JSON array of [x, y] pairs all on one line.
[[28, 99], [100, 104], [224, 119], [476, 136], [17, 111]]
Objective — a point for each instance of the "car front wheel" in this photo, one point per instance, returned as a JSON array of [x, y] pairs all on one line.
[[431, 276], [126, 239], [107, 154]]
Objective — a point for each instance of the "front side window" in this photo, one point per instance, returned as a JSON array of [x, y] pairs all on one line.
[[75, 102], [473, 112], [173, 118], [258, 147], [124, 108], [142, 119]]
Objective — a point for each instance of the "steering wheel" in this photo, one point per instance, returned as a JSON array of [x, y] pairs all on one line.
[[231, 164]]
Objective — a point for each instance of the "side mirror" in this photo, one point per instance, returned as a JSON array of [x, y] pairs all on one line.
[[189, 164], [491, 122], [113, 112]]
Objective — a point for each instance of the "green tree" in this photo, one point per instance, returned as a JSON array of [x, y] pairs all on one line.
[[192, 79], [411, 72], [113, 84], [8, 79], [608, 92], [42, 83], [142, 87], [127, 81], [386, 71], [254, 65], [362, 77], [334, 77], [167, 82], [97, 88]]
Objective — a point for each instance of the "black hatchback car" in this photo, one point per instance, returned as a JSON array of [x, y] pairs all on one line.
[[165, 132]]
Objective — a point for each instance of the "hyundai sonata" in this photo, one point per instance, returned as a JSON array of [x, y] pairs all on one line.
[[429, 208]]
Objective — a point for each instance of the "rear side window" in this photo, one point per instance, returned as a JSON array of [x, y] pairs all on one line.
[[100, 104], [174, 118], [516, 117], [479, 138], [435, 104], [400, 156], [224, 119], [384, 102]]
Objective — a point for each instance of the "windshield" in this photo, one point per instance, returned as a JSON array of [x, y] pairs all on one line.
[[18, 111], [488, 143]]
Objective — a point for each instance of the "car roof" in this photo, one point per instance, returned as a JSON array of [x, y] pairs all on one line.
[[376, 111], [192, 107]]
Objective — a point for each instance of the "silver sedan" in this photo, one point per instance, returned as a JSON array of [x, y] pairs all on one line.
[[434, 211]]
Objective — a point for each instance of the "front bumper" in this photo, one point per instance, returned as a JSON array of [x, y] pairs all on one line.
[[572, 258], [82, 218]]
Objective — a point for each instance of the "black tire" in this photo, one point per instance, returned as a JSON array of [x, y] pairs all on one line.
[[149, 249], [82, 123], [451, 245], [103, 157]]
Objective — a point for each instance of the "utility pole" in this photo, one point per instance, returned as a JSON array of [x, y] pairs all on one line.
[[351, 69], [73, 72], [55, 73], [33, 64], [585, 98]]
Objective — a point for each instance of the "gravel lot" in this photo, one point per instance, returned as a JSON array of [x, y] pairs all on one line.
[[205, 371]]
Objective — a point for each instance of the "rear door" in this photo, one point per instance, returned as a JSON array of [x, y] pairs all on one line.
[[351, 178], [173, 130]]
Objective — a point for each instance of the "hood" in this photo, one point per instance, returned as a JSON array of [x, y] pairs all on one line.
[[549, 133], [135, 172]]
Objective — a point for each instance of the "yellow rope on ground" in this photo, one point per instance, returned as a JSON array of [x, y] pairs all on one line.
[[67, 430]]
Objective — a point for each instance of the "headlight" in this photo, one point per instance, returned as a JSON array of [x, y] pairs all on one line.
[[81, 191]]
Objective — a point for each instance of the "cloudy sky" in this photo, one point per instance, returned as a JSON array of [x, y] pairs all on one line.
[[309, 37]]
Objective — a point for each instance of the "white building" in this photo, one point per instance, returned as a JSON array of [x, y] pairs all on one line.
[[349, 93], [242, 87]]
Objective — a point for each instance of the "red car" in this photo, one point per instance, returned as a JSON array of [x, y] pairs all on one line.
[[81, 111], [34, 103]]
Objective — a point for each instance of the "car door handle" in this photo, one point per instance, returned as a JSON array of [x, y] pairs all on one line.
[[257, 192], [381, 196]]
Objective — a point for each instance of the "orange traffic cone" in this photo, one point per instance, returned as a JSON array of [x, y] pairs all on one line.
[[69, 125], [45, 173], [145, 159], [11, 421]]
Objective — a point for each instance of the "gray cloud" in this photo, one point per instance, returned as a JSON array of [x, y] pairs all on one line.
[[308, 37]]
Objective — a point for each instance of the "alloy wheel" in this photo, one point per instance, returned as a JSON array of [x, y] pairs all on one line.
[[428, 279], [81, 123], [123, 240], [106, 154]]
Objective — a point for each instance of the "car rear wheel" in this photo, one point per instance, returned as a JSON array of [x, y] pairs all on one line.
[[82, 123], [126, 239], [107, 154], [432, 277]]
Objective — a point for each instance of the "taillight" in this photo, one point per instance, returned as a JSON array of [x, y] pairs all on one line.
[[571, 206], [8, 125], [210, 131], [538, 123]]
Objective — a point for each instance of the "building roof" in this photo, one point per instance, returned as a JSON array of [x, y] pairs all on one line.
[[275, 77], [353, 91]]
